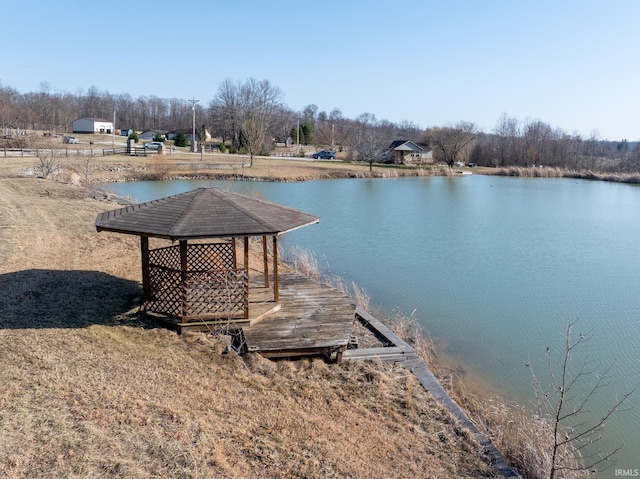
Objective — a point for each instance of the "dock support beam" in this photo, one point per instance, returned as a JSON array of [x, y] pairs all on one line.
[[276, 293]]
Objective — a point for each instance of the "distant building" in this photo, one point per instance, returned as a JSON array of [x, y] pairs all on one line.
[[92, 125], [405, 152], [188, 132], [151, 134]]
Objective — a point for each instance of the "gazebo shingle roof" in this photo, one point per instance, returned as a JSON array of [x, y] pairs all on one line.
[[204, 213]]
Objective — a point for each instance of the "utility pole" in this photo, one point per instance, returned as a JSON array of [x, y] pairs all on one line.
[[333, 147], [193, 102]]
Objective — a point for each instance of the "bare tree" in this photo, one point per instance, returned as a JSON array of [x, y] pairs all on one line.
[[309, 113], [537, 136], [48, 161], [450, 142], [248, 109], [508, 135], [370, 138], [565, 402], [86, 162]]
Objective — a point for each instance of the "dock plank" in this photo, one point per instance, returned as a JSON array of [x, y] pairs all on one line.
[[314, 318]]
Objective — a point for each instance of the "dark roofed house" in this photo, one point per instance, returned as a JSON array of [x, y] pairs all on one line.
[[404, 152], [151, 134], [188, 133]]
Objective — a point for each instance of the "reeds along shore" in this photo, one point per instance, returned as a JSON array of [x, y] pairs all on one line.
[[522, 436], [552, 172]]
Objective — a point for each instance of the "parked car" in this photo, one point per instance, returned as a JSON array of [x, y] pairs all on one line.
[[153, 145], [70, 139], [324, 155]]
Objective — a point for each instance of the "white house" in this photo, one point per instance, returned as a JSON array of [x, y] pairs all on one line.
[[92, 125]]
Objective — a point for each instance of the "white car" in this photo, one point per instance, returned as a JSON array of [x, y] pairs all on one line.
[[154, 145], [70, 139]]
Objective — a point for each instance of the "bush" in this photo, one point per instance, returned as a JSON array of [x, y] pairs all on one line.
[[222, 148], [134, 136], [180, 140], [307, 133]]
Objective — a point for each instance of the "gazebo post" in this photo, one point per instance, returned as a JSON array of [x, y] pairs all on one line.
[[146, 287], [246, 254], [246, 267], [184, 267], [235, 258], [276, 293], [265, 261]]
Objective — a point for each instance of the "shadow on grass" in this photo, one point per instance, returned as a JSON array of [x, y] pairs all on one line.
[[40, 298]]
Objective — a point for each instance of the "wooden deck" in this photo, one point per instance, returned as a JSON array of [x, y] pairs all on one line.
[[309, 319], [313, 319]]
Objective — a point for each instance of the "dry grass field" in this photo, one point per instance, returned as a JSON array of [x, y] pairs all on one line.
[[88, 389], [181, 163]]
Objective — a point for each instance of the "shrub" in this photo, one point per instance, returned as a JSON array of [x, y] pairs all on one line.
[[181, 140]]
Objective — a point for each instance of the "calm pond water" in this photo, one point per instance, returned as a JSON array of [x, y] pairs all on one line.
[[491, 267]]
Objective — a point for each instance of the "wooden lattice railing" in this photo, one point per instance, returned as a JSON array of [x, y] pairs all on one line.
[[210, 288], [201, 257], [216, 294]]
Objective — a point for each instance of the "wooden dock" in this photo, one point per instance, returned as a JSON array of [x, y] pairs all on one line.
[[392, 349], [312, 319], [309, 319]]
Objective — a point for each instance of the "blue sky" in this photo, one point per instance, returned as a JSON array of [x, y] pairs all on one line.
[[572, 64]]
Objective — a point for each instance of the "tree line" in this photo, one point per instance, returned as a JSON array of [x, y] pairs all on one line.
[[531, 143], [249, 116]]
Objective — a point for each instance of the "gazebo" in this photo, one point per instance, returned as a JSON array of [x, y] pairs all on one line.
[[198, 280]]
